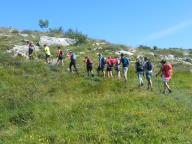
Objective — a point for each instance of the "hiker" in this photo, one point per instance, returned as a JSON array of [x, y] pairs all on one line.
[[117, 63], [89, 66], [109, 62], [73, 59], [125, 63], [101, 66], [148, 69], [31, 50], [166, 73], [47, 54], [139, 71], [60, 56]]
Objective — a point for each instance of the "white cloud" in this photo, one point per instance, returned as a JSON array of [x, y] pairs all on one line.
[[169, 31]]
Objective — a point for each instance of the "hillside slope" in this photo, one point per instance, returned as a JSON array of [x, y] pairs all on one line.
[[42, 103]]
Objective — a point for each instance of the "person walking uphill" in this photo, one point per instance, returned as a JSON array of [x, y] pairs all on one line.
[[148, 69], [89, 66], [109, 62], [125, 62], [31, 50], [60, 56], [117, 63], [102, 63], [47, 53], [139, 71], [166, 71], [73, 59]]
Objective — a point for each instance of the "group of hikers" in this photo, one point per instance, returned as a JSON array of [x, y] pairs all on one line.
[[143, 67]]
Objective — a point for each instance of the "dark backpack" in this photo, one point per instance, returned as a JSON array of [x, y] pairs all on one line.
[[103, 62], [125, 62], [149, 66], [73, 56], [139, 66]]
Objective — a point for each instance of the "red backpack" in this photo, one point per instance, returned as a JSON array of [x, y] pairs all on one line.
[[115, 60], [89, 61], [167, 70], [61, 53]]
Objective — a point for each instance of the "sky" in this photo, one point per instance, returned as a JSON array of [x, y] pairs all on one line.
[[161, 23]]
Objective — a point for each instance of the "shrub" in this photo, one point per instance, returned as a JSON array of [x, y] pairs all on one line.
[[80, 37], [22, 118], [144, 47]]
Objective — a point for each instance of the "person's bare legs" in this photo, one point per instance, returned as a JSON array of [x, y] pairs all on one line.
[[118, 75], [104, 74], [107, 73], [111, 74], [166, 86], [150, 84], [125, 73]]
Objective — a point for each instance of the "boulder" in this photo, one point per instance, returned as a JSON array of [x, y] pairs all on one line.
[[24, 35], [151, 53], [21, 50], [187, 63], [56, 41], [170, 57], [124, 52]]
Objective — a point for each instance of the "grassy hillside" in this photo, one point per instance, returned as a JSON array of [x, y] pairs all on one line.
[[46, 104]]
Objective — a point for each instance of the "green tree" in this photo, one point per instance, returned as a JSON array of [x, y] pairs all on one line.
[[155, 48], [44, 24]]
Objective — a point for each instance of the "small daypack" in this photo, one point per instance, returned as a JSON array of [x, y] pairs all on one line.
[[167, 70], [125, 62], [89, 61], [149, 66], [61, 54], [115, 61], [139, 66], [74, 56], [103, 61]]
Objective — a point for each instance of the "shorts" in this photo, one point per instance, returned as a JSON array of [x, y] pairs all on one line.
[[101, 68], [118, 68], [60, 58], [166, 79], [148, 75], [89, 67], [125, 70], [109, 68]]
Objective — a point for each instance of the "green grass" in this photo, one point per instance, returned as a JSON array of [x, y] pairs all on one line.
[[46, 104]]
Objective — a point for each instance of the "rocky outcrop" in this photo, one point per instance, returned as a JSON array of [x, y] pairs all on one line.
[[56, 41], [124, 52], [21, 50]]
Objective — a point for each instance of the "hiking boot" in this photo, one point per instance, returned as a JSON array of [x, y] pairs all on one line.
[[170, 91]]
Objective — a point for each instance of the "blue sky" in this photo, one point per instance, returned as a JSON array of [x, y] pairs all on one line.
[[164, 23]]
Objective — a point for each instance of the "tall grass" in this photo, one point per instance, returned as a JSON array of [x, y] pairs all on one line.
[[46, 104]]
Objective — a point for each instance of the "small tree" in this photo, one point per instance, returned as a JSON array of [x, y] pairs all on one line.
[[155, 48], [44, 24]]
